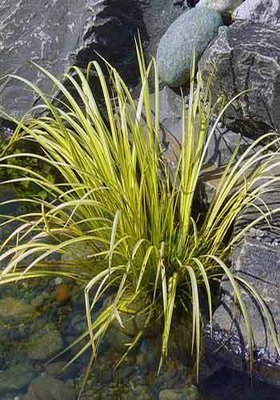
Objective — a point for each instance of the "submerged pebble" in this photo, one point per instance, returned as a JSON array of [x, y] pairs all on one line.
[[16, 377], [44, 343]]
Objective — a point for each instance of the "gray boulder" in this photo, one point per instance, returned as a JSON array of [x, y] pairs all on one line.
[[262, 11], [257, 261], [192, 31], [245, 56]]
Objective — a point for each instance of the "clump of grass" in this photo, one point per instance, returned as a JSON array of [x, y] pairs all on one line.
[[125, 217]]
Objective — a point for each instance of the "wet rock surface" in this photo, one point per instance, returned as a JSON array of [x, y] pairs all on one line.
[[258, 262], [135, 378], [245, 56]]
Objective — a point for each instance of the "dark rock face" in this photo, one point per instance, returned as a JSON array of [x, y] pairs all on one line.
[[257, 262], [262, 11], [246, 56], [58, 34], [45, 32], [158, 15]]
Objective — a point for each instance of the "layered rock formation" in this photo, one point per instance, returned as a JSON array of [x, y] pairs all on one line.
[[244, 59]]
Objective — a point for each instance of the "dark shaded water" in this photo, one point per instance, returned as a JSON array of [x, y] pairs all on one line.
[[231, 385]]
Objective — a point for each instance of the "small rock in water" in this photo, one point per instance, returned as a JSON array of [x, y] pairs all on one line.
[[54, 369], [189, 393], [16, 378], [117, 339], [46, 388], [37, 301], [192, 31], [63, 293], [15, 311], [44, 343], [78, 322], [58, 281]]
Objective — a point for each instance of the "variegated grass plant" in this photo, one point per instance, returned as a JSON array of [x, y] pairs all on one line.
[[124, 215]]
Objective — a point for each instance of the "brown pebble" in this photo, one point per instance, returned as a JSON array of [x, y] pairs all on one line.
[[63, 293]]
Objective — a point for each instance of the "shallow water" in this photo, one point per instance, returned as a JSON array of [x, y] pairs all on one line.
[[54, 321]]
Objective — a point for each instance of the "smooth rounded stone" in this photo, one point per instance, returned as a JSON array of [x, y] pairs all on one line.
[[192, 31], [46, 388], [245, 56], [44, 343], [16, 311], [262, 11], [16, 378], [222, 6], [189, 393]]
